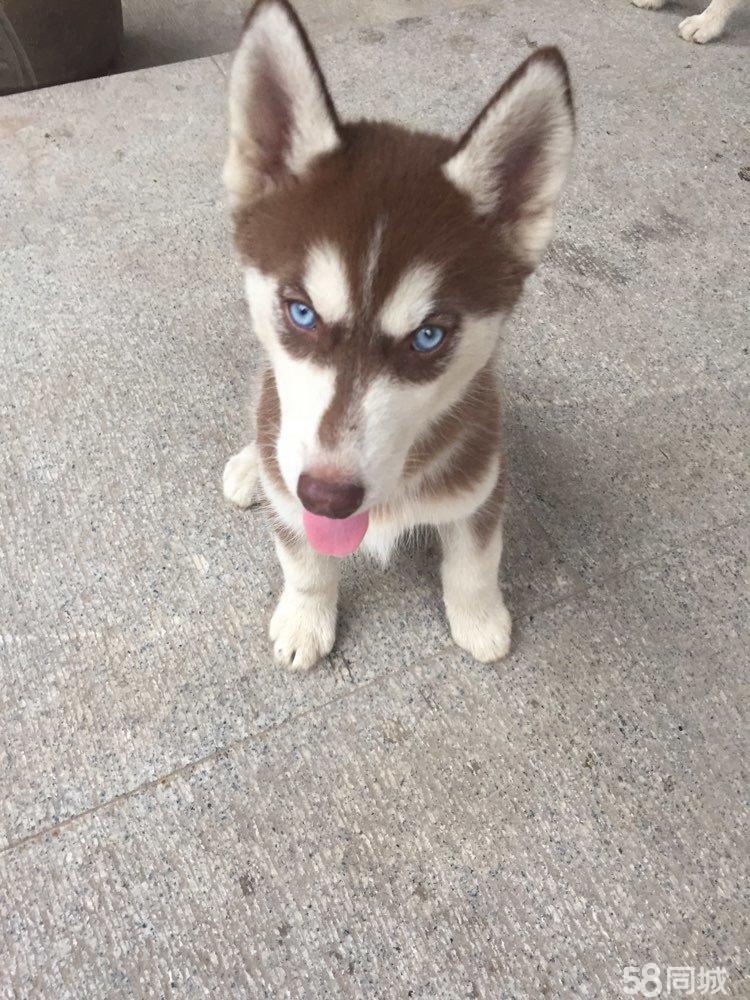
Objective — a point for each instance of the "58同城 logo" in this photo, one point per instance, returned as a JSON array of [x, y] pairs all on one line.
[[650, 980]]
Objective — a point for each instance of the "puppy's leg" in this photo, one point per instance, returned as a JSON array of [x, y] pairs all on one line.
[[710, 24], [477, 615], [649, 4], [303, 626], [240, 478]]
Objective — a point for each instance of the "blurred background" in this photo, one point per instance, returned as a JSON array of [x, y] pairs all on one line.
[[46, 42]]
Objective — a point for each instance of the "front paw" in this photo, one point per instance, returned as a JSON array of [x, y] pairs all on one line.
[[240, 478], [482, 628], [700, 28], [302, 630]]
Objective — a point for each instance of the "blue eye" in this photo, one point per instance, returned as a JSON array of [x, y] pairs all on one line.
[[302, 316], [427, 338]]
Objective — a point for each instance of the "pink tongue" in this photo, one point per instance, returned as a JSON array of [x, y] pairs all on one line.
[[335, 537]]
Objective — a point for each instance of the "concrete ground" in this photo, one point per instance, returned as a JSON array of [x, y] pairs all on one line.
[[174, 30], [183, 819]]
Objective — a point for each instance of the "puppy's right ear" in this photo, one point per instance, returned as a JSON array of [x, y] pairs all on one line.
[[281, 116], [513, 159]]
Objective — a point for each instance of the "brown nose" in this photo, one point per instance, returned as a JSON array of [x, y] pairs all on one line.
[[329, 497]]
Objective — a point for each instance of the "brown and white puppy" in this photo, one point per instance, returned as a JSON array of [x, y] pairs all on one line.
[[700, 27], [380, 267]]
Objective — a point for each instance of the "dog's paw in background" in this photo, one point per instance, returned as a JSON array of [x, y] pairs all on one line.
[[303, 630], [707, 26], [699, 28], [240, 479]]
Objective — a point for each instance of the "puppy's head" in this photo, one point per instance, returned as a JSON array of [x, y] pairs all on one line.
[[380, 263]]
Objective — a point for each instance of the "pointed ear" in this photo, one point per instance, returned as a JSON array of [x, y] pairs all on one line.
[[513, 159], [281, 115]]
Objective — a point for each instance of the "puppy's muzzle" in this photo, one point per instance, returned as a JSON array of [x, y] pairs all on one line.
[[329, 497]]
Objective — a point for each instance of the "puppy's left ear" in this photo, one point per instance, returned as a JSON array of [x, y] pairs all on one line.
[[513, 159], [281, 116]]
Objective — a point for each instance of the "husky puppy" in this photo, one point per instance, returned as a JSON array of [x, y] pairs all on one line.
[[380, 266]]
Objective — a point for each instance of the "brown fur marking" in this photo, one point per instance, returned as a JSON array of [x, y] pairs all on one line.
[[479, 440], [485, 519]]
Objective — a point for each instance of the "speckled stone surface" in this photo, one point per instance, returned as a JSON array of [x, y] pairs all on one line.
[[182, 819], [173, 30]]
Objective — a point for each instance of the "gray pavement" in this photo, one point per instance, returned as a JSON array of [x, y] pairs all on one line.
[[180, 818], [170, 31]]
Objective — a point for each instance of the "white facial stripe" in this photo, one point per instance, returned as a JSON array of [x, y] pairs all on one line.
[[305, 393], [327, 283], [390, 408], [371, 262], [410, 301], [305, 389], [393, 414]]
